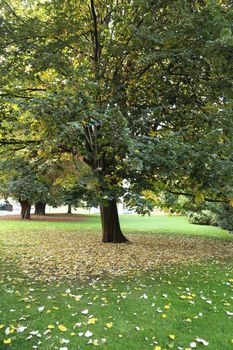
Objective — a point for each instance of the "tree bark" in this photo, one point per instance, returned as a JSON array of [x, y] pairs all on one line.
[[69, 209], [25, 209], [110, 224], [40, 208]]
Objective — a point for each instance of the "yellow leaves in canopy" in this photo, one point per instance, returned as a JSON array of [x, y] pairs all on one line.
[[1, 326], [7, 341], [231, 280], [92, 320], [199, 197], [62, 328], [158, 348], [109, 325], [150, 195], [48, 74], [153, 133], [172, 336], [230, 202], [164, 316]]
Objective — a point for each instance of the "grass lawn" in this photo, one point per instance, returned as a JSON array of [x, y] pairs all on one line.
[[178, 306], [171, 225]]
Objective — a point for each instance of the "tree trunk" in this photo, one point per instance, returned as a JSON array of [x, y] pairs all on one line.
[[110, 224], [40, 208], [25, 209], [69, 209]]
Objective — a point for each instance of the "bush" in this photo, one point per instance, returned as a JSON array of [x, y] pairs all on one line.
[[224, 216], [203, 217]]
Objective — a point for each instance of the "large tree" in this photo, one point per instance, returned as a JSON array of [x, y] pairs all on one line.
[[139, 90]]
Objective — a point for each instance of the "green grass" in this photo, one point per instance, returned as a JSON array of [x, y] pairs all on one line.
[[171, 225], [195, 299]]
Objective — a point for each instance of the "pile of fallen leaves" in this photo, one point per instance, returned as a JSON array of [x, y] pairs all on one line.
[[50, 256]]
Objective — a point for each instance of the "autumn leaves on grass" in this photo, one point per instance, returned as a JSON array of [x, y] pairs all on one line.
[[45, 257]]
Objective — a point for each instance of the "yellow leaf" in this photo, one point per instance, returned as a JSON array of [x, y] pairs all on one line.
[[92, 320], [231, 202], [51, 326], [12, 329], [188, 320], [183, 297], [187, 349], [172, 336], [72, 334], [95, 342], [7, 341], [231, 280], [1, 326], [62, 328], [167, 307], [164, 316], [153, 133], [109, 325], [199, 197], [158, 348]]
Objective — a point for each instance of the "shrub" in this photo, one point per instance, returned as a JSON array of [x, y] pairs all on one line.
[[224, 216], [202, 217]]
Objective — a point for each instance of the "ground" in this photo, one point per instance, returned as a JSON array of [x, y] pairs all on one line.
[[62, 289], [53, 256]]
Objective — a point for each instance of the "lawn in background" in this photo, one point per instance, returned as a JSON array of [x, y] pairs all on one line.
[[165, 224]]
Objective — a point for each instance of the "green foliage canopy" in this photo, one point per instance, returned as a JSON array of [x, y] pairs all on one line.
[[141, 91]]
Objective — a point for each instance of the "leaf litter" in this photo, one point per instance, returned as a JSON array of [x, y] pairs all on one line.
[[55, 256]]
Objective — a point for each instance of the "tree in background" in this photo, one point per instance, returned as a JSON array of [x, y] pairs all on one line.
[[19, 181]]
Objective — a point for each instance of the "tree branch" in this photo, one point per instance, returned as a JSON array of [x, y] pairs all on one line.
[[96, 34]]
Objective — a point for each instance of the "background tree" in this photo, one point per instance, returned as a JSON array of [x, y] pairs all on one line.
[[19, 181]]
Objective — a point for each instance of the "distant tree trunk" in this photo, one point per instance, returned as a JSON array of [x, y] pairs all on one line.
[[25, 209], [69, 209], [110, 223], [40, 208]]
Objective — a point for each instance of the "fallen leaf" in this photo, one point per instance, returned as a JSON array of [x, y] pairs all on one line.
[[7, 341], [62, 328], [109, 325]]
